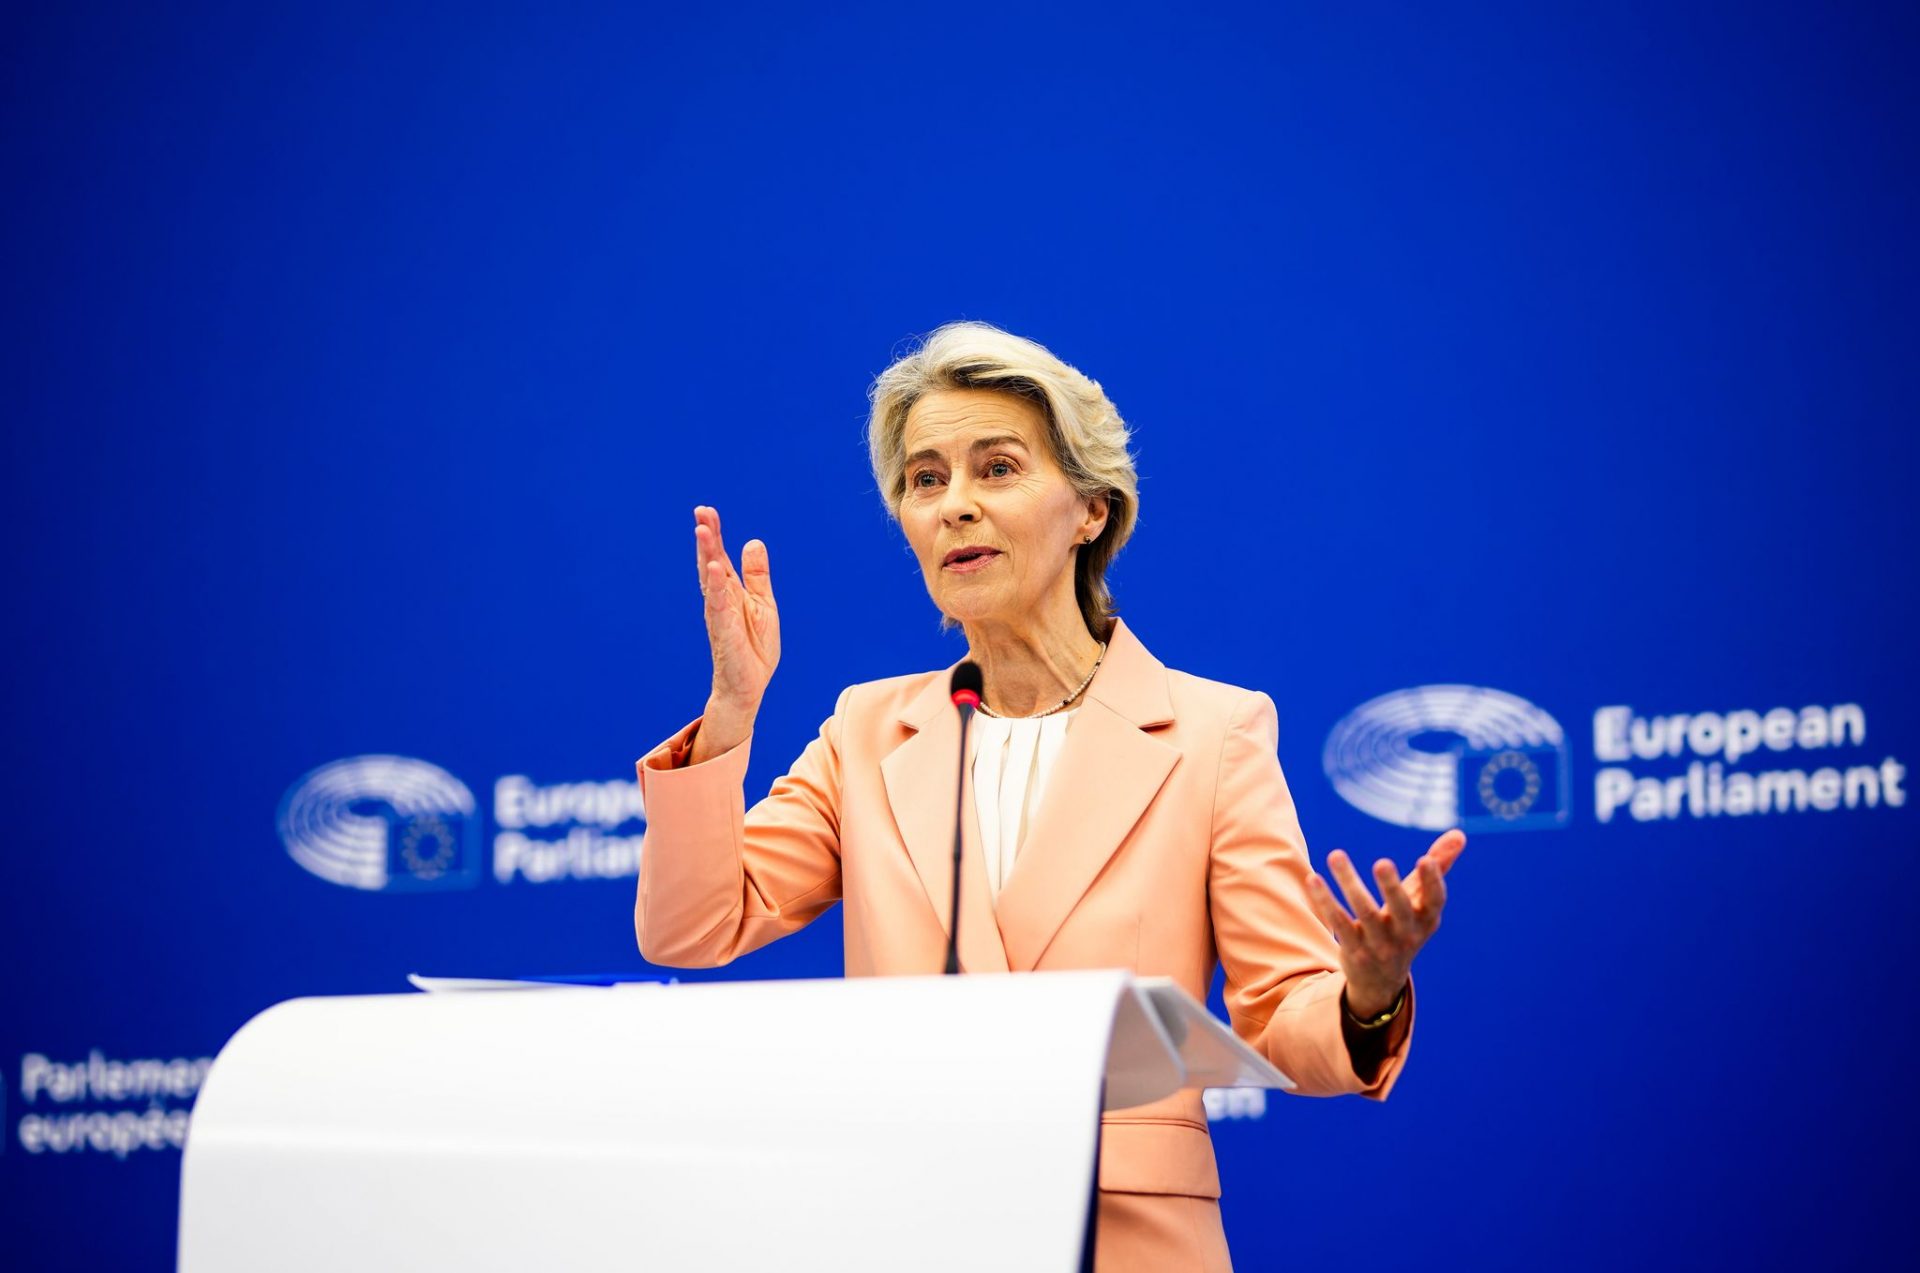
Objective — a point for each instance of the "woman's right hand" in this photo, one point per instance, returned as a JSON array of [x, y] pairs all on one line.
[[743, 632]]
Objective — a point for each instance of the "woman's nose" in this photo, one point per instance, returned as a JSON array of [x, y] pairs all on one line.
[[957, 506]]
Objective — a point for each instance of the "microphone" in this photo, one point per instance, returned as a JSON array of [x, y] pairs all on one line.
[[967, 684]]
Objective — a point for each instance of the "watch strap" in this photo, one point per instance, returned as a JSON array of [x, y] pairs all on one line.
[[1375, 1022]]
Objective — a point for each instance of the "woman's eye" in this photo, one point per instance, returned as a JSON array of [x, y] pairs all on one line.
[[923, 478], [1000, 468]]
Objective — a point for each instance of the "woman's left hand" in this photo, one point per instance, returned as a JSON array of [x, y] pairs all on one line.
[[1378, 943]]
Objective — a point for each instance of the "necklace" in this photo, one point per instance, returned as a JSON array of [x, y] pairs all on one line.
[[1063, 702]]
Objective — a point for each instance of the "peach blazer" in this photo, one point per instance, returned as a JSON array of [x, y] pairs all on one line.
[[1166, 840]]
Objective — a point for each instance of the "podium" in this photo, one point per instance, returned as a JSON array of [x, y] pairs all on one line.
[[930, 1123]]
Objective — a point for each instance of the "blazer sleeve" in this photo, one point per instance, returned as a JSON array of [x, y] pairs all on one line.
[[1283, 978], [718, 879]]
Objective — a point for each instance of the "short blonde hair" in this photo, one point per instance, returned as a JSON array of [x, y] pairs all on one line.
[[1084, 431]]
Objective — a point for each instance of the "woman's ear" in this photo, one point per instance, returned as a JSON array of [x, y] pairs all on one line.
[[1096, 520]]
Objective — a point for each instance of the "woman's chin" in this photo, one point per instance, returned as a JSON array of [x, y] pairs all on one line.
[[961, 607]]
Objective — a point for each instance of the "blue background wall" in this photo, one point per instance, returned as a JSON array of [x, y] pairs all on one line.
[[362, 370]]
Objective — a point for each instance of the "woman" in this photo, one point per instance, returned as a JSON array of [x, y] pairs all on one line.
[[1122, 814]]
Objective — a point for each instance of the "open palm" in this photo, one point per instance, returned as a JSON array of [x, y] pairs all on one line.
[[743, 624]]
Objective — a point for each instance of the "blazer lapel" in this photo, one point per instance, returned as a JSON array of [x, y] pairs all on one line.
[[920, 775], [1108, 772]]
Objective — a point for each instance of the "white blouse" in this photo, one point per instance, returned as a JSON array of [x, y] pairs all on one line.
[[1011, 762]]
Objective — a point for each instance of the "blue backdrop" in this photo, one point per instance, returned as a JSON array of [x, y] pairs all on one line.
[[363, 368]]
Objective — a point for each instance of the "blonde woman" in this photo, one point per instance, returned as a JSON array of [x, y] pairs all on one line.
[[1123, 814]]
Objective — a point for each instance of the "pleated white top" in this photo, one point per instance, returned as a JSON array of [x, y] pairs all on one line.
[[1011, 762]]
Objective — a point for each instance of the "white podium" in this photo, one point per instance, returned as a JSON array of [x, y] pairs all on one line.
[[930, 1123]]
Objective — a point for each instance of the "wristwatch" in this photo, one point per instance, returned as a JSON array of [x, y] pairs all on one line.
[[1373, 1023]]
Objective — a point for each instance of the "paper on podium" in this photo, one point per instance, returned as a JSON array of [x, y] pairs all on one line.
[[1212, 1054], [435, 985], [421, 982], [1164, 1042]]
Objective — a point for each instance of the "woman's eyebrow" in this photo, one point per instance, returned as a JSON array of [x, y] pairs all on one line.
[[983, 444]]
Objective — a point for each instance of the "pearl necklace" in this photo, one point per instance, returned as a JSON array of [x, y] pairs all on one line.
[[1063, 702]]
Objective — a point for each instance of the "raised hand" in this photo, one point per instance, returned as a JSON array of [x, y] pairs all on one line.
[[743, 633], [1378, 943]]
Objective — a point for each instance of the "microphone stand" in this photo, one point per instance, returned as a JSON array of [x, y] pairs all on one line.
[[966, 699]]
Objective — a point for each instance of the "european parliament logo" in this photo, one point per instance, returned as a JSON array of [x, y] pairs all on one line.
[[1440, 756], [383, 823]]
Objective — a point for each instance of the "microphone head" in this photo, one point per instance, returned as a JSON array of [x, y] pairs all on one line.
[[967, 684]]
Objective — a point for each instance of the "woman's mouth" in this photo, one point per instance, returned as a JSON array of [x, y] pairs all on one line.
[[964, 561]]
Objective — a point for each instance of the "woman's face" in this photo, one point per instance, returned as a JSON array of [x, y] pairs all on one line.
[[990, 515]]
